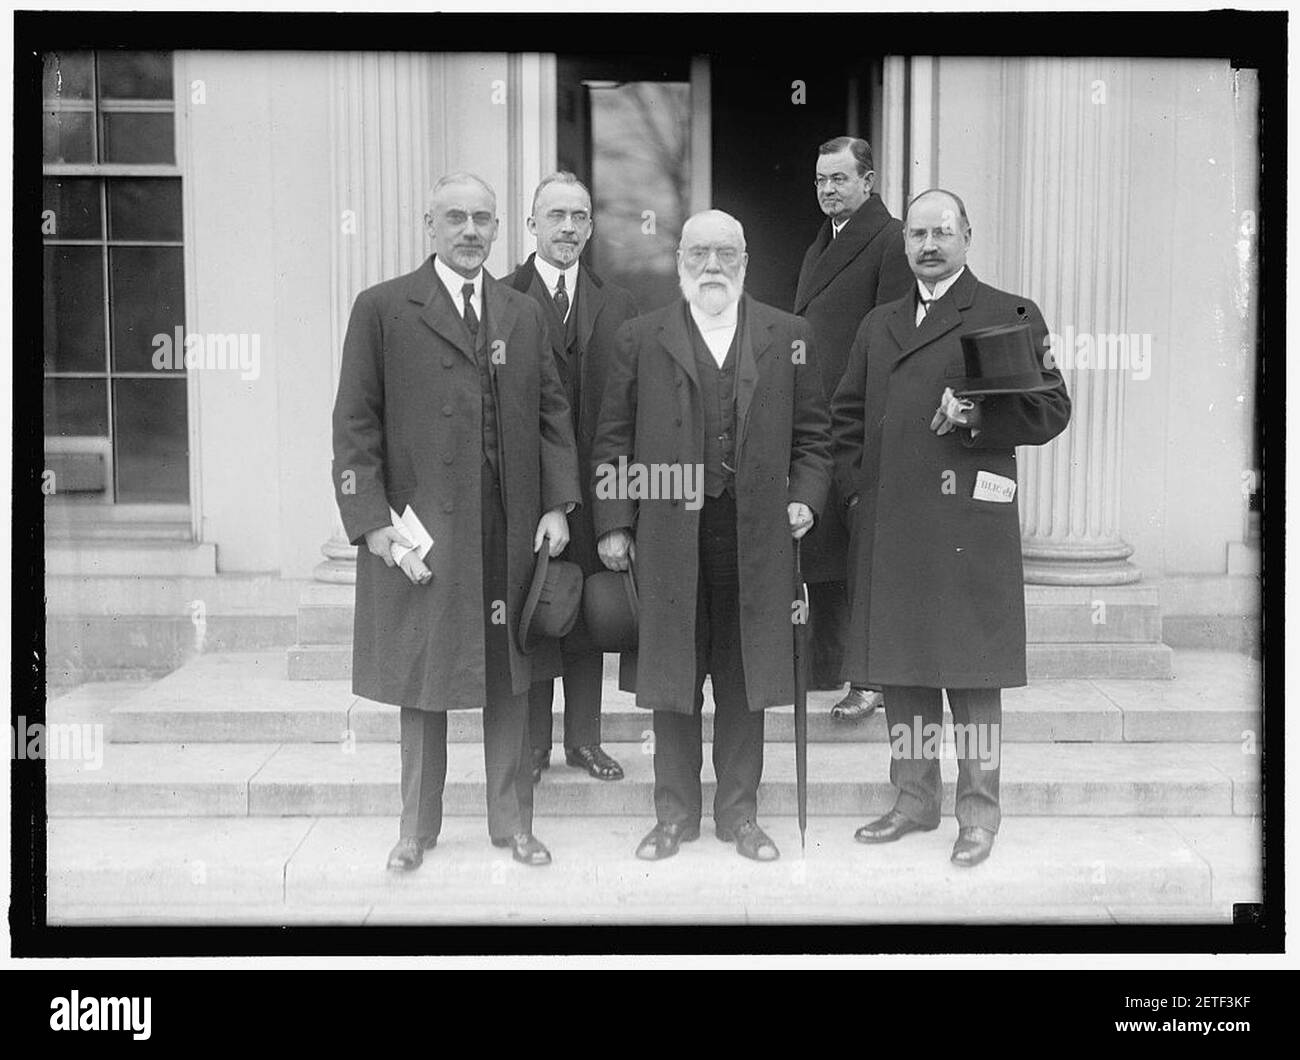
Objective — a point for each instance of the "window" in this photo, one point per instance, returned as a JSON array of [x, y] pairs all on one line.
[[115, 425]]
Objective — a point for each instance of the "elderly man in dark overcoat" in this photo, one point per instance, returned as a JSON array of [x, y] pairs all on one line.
[[725, 389], [583, 314], [855, 264], [938, 583], [449, 402]]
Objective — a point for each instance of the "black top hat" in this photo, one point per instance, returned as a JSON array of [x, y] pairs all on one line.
[[609, 608], [1000, 360], [551, 607]]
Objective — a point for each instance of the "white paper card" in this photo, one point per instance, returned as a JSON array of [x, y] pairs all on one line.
[[409, 523], [991, 487]]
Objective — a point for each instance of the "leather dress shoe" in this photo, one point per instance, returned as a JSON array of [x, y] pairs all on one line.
[[889, 828], [858, 705], [664, 838], [541, 760], [751, 841], [526, 849], [973, 845], [595, 761], [409, 852]]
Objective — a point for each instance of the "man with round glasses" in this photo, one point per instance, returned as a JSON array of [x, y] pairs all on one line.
[[855, 263]]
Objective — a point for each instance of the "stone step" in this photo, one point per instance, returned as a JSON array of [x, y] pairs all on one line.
[[350, 779], [1103, 660], [159, 558], [244, 697], [1118, 614], [331, 870]]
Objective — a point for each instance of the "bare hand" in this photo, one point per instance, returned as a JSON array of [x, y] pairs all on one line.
[[955, 412], [380, 541], [616, 550], [801, 519], [555, 527]]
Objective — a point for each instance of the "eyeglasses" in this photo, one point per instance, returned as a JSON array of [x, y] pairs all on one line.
[[838, 179], [700, 255]]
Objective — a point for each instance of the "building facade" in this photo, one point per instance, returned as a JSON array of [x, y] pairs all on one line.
[[259, 192]]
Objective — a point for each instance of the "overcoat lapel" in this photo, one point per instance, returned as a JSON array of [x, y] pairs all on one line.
[[944, 315], [591, 300], [755, 341], [674, 338], [440, 312], [852, 241]]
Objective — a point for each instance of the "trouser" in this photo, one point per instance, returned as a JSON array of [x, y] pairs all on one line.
[[505, 715], [737, 731], [910, 712], [584, 674]]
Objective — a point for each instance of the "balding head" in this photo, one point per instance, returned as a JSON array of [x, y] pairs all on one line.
[[936, 235], [711, 261]]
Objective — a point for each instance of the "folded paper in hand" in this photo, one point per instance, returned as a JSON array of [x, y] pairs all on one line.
[[409, 524]]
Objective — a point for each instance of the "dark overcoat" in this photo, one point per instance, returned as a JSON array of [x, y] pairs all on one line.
[[652, 414], [937, 580], [840, 282], [408, 430], [601, 308]]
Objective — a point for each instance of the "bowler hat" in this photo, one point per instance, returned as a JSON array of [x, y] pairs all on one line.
[[609, 608], [551, 607], [1000, 360]]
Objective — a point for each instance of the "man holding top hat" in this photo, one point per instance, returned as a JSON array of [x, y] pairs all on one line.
[[940, 388]]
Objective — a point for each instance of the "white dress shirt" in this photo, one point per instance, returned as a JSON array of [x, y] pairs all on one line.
[[454, 281], [718, 331], [940, 289], [551, 277], [838, 226]]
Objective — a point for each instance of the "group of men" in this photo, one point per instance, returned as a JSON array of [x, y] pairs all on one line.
[[488, 407]]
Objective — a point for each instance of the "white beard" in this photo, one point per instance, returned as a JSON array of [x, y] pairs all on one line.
[[711, 300]]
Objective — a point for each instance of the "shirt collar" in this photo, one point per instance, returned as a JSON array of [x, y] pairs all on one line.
[[706, 322], [454, 282], [940, 288], [551, 275], [836, 229]]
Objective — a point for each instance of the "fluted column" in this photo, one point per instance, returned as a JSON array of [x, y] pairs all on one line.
[[385, 139], [1066, 161]]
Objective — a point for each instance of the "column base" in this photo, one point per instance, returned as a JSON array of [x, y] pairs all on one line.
[[340, 564], [1052, 563]]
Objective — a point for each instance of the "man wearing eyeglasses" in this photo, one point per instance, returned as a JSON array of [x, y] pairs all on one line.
[[726, 387], [583, 314], [856, 262]]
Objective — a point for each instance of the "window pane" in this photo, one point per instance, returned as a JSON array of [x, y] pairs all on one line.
[[76, 407], [148, 299], [135, 75], [641, 160], [134, 137], [144, 209], [67, 75], [71, 205], [74, 309], [152, 442], [67, 136]]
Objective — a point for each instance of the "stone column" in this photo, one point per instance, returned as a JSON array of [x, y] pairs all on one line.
[[1065, 216], [386, 148]]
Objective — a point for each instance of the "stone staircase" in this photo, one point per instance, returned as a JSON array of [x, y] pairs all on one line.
[[229, 791]]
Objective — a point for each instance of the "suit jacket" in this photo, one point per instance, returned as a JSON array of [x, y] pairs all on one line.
[[936, 578], [408, 430], [840, 282], [599, 310], [653, 415]]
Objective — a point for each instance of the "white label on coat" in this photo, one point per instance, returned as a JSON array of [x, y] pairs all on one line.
[[991, 487]]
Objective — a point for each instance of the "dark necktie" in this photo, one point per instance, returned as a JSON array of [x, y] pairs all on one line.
[[471, 318], [925, 306], [561, 298]]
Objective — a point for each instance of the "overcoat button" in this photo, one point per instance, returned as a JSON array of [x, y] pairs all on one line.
[[448, 506], [446, 410], [447, 362], [447, 458]]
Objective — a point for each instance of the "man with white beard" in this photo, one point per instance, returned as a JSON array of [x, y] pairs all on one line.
[[730, 385]]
